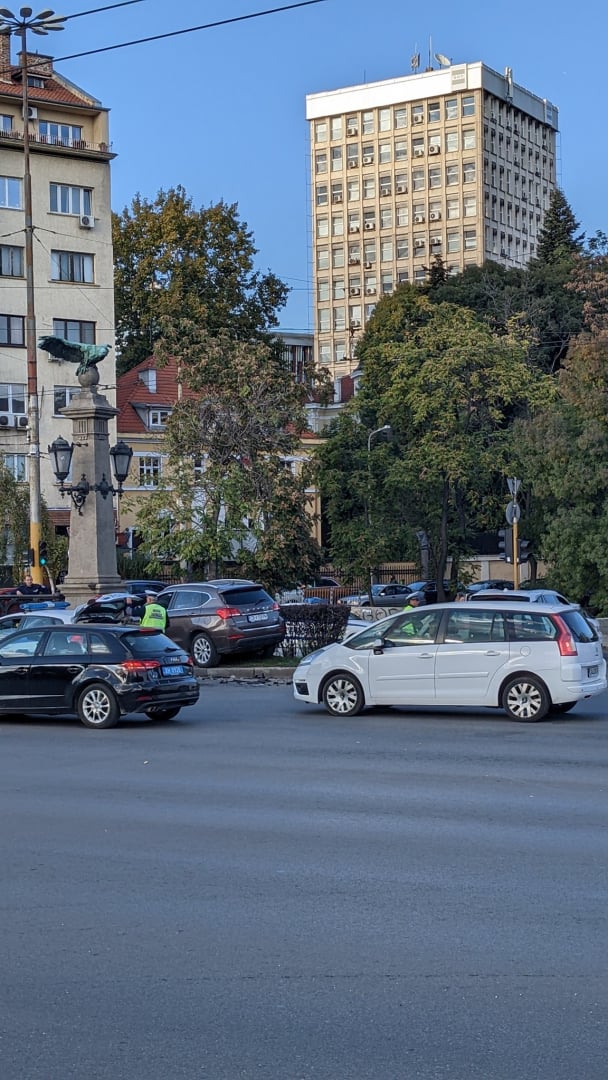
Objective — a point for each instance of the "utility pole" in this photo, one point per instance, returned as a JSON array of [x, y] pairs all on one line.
[[513, 514], [39, 24]]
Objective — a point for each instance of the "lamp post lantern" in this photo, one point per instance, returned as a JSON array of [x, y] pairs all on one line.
[[19, 25]]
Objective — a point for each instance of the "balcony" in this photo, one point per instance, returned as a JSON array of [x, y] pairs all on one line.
[[15, 138]]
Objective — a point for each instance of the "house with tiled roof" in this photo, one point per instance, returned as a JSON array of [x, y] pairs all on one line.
[[70, 157]]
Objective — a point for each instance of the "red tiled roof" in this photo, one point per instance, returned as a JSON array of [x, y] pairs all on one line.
[[131, 390]]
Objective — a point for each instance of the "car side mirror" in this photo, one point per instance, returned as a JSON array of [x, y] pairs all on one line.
[[378, 646]]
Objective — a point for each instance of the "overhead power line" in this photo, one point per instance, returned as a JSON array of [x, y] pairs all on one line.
[[188, 30]]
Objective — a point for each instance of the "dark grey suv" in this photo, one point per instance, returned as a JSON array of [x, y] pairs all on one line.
[[212, 619]]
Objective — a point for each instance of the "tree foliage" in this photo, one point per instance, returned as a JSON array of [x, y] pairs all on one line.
[[175, 261]]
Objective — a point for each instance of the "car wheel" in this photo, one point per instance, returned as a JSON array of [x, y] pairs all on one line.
[[342, 695], [563, 706], [525, 698], [204, 652], [162, 714], [97, 706]]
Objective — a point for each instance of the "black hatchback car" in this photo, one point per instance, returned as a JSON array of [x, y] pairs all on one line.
[[212, 619], [97, 672]]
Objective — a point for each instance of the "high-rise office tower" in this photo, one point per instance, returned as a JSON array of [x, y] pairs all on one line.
[[456, 163]]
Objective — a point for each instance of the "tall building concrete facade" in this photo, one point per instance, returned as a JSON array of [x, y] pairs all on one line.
[[70, 159], [457, 162]]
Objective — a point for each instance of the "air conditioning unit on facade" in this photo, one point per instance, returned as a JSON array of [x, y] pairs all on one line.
[[353, 164], [336, 198], [434, 149], [418, 118], [436, 241], [370, 291], [32, 112], [368, 160], [419, 152], [435, 215], [419, 243], [20, 422], [369, 225], [86, 221], [368, 265], [354, 228], [5, 420], [352, 131], [355, 324], [401, 189], [354, 260], [355, 290], [418, 219]]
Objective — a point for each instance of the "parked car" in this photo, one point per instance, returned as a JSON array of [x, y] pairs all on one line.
[[23, 620], [535, 596], [380, 595], [528, 659], [218, 618], [141, 586], [491, 583], [96, 672]]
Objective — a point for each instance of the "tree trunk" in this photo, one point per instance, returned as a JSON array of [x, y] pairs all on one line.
[[442, 559]]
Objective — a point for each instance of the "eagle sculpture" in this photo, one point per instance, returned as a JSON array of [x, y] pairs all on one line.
[[86, 356]]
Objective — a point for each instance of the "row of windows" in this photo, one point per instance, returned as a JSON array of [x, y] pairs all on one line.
[[397, 150], [12, 331], [517, 123], [371, 120], [434, 209], [148, 467], [63, 134], [63, 198], [401, 183], [389, 252]]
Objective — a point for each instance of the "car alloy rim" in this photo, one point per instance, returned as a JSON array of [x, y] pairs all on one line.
[[202, 650], [524, 700], [341, 696], [96, 706]]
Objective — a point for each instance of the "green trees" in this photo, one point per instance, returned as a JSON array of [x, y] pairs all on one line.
[[174, 261]]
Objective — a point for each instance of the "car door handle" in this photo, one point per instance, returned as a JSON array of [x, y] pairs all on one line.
[[73, 669], [492, 652], [20, 670], [426, 655]]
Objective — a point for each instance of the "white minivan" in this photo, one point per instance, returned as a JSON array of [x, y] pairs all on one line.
[[528, 659]]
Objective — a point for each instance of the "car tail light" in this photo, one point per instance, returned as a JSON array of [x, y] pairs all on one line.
[[565, 640], [140, 665], [228, 612]]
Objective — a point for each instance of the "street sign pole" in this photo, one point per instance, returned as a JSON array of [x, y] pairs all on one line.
[[515, 552]]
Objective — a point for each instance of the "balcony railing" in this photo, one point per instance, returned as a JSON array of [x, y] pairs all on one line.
[[47, 140]]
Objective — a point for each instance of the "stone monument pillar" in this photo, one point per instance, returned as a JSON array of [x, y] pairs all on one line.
[[92, 548]]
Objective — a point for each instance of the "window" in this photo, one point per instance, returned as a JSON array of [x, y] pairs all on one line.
[[419, 244], [453, 241], [323, 226], [468, 625], [10, 192], [11, 261], [435, 177], [353, 191], [418, 179], [451, 175], [352, 125], [469, 141], [368, 153], [368, 123], [336, 158], [338, 289], [384, 120], [324, 355], [369, 188], [401, 183], [386, 251], [12, 330], [158, 417], [15, 463], [323, 290], [369, 310], [324, 323], [420, 276], [387, 282], [369, 220], [337, 194], [403, 215], [417, 114], [468, 172], [337, 256], [336, 127], [322, 258], [71, 266], [451, 109], [453, 208], [470, 205], [337, 225], [6, 122], [470, 239], [369, 251], [12, 398], [65, 134], [62, 395], [354, 221], [386, 218], [401, 149], [339, 352], [451, 141], [400, 117], [339, 318], [75, 330], [434, 112], [35, 80], [403, 276], [321, 131], [354, 315], [386, 185], [385, 153], [468, 105], [321, 195], [525, 627], [320, 165], [352, 155], [403, 248], [66, 199]]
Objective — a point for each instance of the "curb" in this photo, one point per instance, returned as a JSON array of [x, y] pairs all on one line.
[[246, 673]]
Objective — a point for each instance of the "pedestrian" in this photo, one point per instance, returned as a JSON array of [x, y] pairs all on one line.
[[155, 615], [413, 602], [30, 588]]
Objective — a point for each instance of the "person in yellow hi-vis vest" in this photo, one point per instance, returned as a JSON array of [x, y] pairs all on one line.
[[154, 614]]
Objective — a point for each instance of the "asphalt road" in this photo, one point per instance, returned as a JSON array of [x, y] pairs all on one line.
[[258, 891]]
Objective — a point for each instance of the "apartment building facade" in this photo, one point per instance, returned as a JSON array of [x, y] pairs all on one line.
[[457, 162], [70, 159]]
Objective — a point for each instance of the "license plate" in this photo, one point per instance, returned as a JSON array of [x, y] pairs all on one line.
[[258, 618], [173, 669], [592, 671]]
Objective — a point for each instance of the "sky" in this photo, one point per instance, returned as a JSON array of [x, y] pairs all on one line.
[[221, 111]]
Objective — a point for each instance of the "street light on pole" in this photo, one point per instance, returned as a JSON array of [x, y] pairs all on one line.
[[19, 25], [384, 430]]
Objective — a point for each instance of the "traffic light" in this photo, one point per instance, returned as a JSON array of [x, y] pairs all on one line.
[[524, 550], [505, 544], [42, 553]]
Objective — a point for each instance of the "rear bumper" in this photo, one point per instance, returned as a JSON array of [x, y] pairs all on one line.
[[139, 698], [251, 640]]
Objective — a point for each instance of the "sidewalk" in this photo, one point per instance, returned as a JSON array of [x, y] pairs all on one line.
[[247, 673]]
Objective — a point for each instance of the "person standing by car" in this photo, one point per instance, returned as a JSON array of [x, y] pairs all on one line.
[[30, 588], [154, 614]]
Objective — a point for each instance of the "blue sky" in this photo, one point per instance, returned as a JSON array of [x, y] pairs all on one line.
[[222, 111]]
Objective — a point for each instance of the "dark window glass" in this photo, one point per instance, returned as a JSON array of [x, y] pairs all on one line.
[[470, 625], [149, 643], [524, 626], [581, 629], [240, 597], [187, 598]]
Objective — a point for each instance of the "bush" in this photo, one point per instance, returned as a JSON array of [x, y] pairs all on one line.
[[310, 626]]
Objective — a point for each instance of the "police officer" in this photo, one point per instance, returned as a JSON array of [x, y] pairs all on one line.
[[154, 614]]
